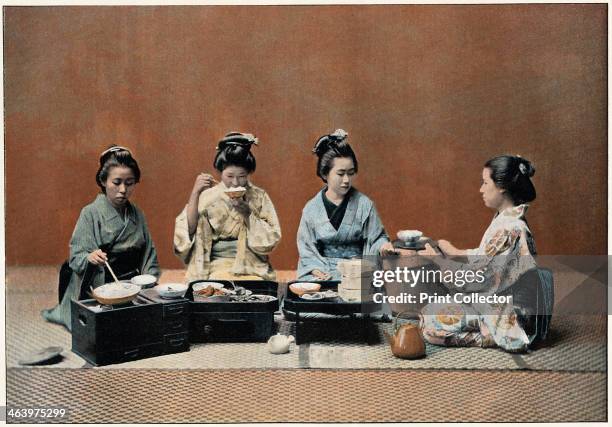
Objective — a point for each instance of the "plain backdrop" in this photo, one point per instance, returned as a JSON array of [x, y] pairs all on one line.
[[427, 94]]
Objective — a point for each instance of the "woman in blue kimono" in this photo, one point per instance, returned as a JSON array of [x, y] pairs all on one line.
[[339, 222], [110, 229]]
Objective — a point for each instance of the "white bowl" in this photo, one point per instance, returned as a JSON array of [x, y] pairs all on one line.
[[171, 290], [302, 288], [144, 280], [409, 235], [235, 192]]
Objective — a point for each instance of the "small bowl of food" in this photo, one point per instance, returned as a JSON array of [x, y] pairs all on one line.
[[210, 292], [316, 296], [409, 236], [144, 280], [235, 192], [171, 290], [302, 288]]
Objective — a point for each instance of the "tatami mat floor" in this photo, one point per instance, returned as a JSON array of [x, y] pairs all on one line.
[[300, 395]]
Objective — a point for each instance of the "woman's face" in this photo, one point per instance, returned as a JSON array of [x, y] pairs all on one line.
[[493, 196], [234, 176], [340, 177], [119, 185]]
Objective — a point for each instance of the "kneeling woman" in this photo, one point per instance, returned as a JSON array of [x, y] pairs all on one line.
[[506, 253], [110, 229], [221, 237], [339, 222]]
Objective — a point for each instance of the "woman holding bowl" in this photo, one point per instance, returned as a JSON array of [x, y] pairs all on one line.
[[228, 228], [339, 222], [505, 254], [110, 230]]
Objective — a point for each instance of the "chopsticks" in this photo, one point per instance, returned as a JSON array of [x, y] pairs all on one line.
[[112, 273]]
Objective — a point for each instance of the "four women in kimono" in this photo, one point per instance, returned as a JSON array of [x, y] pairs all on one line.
[[220, 237], [110, 229], [505, 255]]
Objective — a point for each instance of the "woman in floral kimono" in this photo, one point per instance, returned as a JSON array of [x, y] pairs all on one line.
[[506, 253], [219, 237], [110, 229], [339, 222]]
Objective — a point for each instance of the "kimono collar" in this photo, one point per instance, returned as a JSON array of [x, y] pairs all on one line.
[[515, 211], [109, 212]]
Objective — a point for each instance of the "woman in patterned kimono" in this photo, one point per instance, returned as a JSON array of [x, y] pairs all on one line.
[[218, 237], [506, 253], [339, 222], [110, 229]]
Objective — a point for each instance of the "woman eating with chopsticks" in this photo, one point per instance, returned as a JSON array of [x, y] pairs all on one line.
[[110, 230], [228, 228]]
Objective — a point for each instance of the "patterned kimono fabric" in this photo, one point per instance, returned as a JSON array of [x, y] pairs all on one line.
[[321, 246], [100, 226], [226, 246], [505, 254]]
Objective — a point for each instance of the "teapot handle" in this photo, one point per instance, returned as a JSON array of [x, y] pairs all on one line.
[[395, 320]]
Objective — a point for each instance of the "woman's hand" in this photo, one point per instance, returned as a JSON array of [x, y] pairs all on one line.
[[387, 249], [321, 275], [447, 247], [203, 182], [97, 257], [241, 206], [429, 251]]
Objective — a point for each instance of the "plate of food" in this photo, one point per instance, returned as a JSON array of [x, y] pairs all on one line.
[[210, 292], [316, 296]]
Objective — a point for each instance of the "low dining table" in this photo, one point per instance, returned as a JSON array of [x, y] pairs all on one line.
[[332, 306]]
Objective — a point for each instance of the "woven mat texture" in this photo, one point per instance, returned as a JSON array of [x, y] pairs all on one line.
[[147, 396], [577, 343]]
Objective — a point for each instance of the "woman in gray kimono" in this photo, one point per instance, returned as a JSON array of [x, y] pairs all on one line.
[[110, 229], [339, 222]]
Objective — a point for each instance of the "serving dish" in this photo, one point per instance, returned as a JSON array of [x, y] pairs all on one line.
[[114, 294]]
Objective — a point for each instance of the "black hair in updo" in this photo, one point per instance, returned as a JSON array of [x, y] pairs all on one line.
[[329, 147], [513, 174], [235, 150], [112, 157]]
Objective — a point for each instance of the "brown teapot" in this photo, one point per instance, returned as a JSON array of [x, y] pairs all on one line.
[[406, 343]]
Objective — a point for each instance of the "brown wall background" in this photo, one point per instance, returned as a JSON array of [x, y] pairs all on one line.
[[427, 94]]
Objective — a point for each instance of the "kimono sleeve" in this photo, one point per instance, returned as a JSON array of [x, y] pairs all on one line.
[[374, 233], [310, 258], [150, 265], [83, 241], [492, 263], [183, 242], [263, 228]]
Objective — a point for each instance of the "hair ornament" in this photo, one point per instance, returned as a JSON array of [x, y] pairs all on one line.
[[238, 139], [523, 168], [114, 149]]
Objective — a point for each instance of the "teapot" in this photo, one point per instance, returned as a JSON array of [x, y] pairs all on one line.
[[406, 342], [279, 344]]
